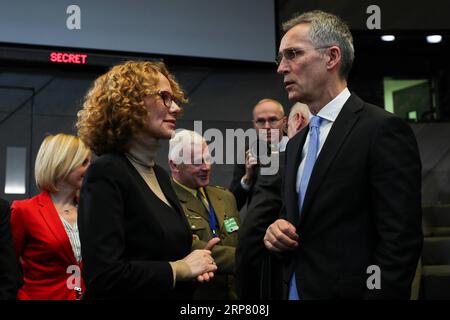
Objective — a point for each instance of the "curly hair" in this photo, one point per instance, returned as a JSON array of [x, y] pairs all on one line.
[[114, 111]]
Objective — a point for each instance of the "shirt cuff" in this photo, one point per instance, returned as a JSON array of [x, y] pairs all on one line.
[[244, 186]]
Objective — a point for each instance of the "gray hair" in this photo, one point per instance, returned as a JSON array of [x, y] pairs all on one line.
[[299, 108], [327, 29], [182, 144]]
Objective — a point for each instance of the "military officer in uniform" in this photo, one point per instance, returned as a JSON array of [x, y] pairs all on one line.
[[211, 211]]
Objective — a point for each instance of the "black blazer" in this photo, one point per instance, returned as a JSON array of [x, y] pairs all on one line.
[[241, 195], [362, 207], [257, 274], [128, 235], [8, 265]]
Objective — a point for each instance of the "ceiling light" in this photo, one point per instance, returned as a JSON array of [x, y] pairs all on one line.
[[436, 38], [388, 37]]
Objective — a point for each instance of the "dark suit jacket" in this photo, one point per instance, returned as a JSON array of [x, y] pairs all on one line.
[[41, 242], [257, 273], [362, 207], [8, 266], [240, 194], [128, 235]]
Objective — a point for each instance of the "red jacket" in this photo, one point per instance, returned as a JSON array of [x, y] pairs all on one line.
[[44, 249]]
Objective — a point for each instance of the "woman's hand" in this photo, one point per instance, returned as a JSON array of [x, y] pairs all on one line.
[[209, 275], [198, 264]]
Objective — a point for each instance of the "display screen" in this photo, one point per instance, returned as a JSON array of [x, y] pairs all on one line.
[[225, 29]]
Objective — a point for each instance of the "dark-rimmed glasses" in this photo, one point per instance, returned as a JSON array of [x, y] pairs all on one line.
[[167, 98], [273, 121]]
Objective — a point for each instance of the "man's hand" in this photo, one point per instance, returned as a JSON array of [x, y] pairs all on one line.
[[250, 164], [281, 236]]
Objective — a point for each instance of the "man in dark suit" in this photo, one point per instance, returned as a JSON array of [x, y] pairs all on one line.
[[268, 118], [351, 222], [8, 265], [256, 272]]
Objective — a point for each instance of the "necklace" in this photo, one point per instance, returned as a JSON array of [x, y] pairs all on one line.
[[68, 210]]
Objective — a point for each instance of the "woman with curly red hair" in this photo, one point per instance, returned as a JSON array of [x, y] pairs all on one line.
[[135, 238]]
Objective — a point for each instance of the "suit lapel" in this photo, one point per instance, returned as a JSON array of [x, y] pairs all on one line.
[[167, 189], [218, 205], [164, 183], [337, 135], [51, 217], [293, 152]]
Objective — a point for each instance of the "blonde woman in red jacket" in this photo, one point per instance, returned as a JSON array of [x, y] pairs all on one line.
[[44, 228]]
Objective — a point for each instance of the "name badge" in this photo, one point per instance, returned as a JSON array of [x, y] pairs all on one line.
[[230, 225]]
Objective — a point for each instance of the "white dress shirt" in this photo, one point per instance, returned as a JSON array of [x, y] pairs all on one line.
[[328, 113]]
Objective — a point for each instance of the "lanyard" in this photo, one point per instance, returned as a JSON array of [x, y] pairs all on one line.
[[211, 212]]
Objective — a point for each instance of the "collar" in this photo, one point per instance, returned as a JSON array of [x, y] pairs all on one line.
[[283, 143], [148, 165], [143, 153], [190, 190], [331, 110]]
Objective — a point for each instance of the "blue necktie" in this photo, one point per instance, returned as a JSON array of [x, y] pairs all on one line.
[[211, 212], [313, 148]]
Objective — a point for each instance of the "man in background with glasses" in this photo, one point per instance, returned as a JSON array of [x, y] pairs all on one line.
[[268, 121], [350, 227], [257, 273]]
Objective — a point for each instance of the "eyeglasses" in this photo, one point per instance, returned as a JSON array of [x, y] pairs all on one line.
[[167, 98], [272, 121], [291, 53]]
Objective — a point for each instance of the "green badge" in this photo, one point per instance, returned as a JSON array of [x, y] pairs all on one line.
[[230, 225]]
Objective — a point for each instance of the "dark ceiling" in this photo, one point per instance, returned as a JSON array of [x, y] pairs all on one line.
[[394, 15], [408, 57]]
